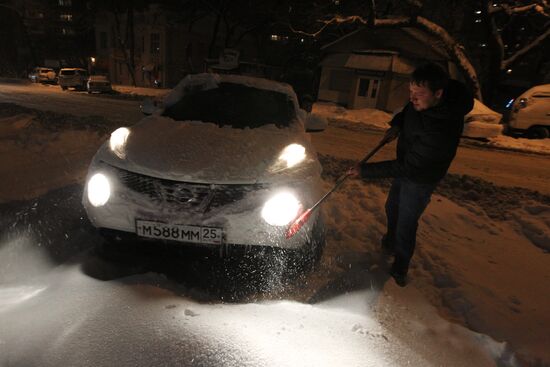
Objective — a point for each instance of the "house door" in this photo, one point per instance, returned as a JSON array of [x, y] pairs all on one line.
[[367, 92]]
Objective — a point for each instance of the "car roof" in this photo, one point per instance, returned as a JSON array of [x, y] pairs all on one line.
[[208, 79], [74, 69], [98, 77]]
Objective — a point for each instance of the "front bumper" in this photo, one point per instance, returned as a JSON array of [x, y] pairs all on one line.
[[240, 220]]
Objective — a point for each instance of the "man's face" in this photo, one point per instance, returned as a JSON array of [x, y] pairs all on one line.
[[422, 97]]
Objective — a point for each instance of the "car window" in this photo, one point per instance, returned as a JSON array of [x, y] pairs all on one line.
[[67, 72], [234, 105]]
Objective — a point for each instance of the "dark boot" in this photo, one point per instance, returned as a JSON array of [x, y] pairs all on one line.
[[398, 272]]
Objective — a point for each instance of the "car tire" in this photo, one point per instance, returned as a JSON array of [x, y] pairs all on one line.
[[114, 247], [538, 132], [64, 88]]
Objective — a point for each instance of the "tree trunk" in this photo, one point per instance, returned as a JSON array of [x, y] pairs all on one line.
[[122, 44], [214, 36]]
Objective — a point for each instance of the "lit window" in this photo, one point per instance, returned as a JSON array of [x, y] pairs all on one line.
[[478, 20], [65, 2], [66, 17], [275, 37], [66, 31]]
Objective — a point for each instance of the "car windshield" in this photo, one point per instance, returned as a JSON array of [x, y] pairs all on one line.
[[68, 72], [234, 105]]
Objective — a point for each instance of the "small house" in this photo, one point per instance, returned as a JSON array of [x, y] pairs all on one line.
[[370, 67]]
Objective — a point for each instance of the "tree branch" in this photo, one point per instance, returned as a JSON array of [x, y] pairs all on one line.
[[510, 10], [506, 63]]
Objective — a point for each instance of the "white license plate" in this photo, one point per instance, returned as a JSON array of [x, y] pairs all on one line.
[[178, 232]]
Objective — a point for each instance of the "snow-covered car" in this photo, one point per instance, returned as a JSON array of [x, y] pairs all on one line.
[[43, 75], [99, 84], [226, 161], [72, 78], [531, 113]]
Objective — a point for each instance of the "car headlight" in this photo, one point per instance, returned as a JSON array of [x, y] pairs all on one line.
[[293, 154], [99, 189], [281, 209], [118, 140]]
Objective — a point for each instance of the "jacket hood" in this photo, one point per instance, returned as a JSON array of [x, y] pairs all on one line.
[[457, 101], [194, 151]]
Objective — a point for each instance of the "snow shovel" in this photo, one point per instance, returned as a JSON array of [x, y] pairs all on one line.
[[302, 219]]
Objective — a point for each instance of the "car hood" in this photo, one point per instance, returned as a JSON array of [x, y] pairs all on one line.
[[193, 151]]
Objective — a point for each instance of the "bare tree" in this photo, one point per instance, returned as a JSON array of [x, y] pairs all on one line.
[[126, 44], [411, 18], [498, 19]]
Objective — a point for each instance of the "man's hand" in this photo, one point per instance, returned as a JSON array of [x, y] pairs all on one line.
[[392, 133], [354, 171]]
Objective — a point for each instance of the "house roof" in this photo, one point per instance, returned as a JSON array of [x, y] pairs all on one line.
[[407, 41]]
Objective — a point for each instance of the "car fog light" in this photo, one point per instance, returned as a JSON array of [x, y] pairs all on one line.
[[281, 209], [99, 190]]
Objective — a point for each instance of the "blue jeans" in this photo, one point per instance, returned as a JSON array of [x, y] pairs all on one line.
[[405, 204]]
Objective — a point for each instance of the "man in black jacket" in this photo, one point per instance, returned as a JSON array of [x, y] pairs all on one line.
[[429, 129]]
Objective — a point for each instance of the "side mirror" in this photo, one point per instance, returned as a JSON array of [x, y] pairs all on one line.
[[148, 106], [315, 123]]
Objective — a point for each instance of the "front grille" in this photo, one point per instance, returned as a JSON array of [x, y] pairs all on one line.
[[184, 195]]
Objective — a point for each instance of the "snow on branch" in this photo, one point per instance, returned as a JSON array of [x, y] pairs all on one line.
[[454, 49], [390, 22], [524, 50], [416, 3], [511, 10]]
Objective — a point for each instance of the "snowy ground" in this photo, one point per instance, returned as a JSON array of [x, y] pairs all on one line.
[[478, 294]]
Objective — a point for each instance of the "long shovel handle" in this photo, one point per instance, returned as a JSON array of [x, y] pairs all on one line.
[[302, 219]]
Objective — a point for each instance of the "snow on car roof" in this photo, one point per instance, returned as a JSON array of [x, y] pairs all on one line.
[[207, 81]]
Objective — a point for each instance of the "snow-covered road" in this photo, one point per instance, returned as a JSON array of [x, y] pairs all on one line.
[[501, 167], [51, 98], [60, 304]]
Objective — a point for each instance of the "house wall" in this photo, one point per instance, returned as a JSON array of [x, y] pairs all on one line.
[[397, 93], [335, 84]]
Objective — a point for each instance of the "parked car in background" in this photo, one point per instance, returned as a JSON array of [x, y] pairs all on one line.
[[530, 113], [43, 75], [73, 78], [99, 84], [226, 161]]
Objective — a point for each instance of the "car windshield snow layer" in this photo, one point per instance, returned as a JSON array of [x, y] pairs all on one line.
[[234, 105]]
